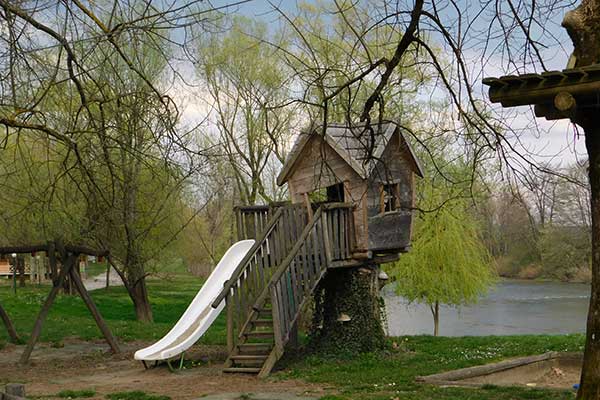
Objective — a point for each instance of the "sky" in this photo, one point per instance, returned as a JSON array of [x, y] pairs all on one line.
[[556, 141]]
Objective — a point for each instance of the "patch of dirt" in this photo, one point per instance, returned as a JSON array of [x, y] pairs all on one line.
[[555, 373], [99, 281], [88, 365]]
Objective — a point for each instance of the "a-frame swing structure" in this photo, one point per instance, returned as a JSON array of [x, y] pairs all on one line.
[[68, 255], [10, 328]]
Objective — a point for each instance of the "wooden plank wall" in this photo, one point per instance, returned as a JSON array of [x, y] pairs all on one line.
[[320, 166]]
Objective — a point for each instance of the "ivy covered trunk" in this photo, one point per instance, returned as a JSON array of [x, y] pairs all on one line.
[[348, 311]]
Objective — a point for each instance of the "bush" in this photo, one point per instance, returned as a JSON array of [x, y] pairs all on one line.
[[566, 252]]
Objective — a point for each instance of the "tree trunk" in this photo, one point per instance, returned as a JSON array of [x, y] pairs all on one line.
[[583, 26], [590, 374], [139, 295], [435, 311], [347, 314]]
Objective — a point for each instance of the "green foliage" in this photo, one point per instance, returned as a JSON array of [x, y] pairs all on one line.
[[566, 251], [135, 395], [75, 394], [247, 83], [448, 262], [327, 56], [391, 374]]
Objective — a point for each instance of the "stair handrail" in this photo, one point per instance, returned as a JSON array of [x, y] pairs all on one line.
[[287, 260], [292, 253], [251, 253]]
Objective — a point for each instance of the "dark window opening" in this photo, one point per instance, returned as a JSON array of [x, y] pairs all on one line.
[[389, 197], [335, 193], [330, 194]]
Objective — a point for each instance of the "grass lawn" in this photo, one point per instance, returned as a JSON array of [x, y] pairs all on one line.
[[69, 317], [388, 375]]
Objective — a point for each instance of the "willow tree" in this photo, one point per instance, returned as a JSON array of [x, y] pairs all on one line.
[[448, 263], [81, 81], [247, 84]]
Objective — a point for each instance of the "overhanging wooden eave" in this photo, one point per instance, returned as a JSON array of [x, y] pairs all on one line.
[[521, 96], [531, 89]]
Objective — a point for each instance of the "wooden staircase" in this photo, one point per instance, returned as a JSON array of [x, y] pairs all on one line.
[[275, 280]]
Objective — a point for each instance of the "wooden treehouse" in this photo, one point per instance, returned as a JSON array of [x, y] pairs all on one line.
[[352, 198]]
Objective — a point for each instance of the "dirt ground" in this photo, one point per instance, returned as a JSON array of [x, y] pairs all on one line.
[[88, 365]]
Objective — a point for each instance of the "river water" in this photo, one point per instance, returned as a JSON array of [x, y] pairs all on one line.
[[512, 307]]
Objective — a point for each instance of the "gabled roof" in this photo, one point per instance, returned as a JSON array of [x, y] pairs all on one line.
[[358, 146]]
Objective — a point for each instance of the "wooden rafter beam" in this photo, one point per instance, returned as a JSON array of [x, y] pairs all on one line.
[[531, 89], [45, 248], [521, 95]]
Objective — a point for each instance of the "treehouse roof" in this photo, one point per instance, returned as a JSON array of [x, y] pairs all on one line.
[[360, 146], [541, 90]]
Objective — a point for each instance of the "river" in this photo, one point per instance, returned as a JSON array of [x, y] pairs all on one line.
[[510, 308]]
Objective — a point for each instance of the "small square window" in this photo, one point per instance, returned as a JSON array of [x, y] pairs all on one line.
[[389, 197]]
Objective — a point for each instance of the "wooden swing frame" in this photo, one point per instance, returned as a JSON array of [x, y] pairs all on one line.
[[69, 255]]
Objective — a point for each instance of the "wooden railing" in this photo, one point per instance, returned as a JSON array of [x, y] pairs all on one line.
[[340, 227], [297, 275], [250, 221], [252, 275]]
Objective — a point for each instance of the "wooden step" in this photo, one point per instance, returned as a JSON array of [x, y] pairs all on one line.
[[249, 357], [263, 322], [255, 348], [264, 312], [259, 334], [246, 370]]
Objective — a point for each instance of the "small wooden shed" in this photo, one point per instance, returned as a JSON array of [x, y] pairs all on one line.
[[371, 167]]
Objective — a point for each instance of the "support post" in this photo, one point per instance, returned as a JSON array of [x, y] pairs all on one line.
[[12, 333], [39, 322], [87, 299], [309, 209], [52, 261], [230, 311], [107, 274]]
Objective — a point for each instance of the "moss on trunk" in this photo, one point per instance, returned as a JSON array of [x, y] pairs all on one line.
[[348, 293]]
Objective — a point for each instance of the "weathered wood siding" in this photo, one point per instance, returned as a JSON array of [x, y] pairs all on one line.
[[320, 166], [391, 231]]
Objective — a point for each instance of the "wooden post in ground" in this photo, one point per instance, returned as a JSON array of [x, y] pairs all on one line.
[[230, 316], [12, 333], [39, 322], [52, 261], [20, 263], [107, 275], [110, 339]]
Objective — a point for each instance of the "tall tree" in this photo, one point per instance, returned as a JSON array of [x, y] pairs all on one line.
[[247, 84]]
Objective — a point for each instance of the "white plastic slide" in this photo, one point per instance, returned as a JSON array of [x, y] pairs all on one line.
[[199, 315]]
